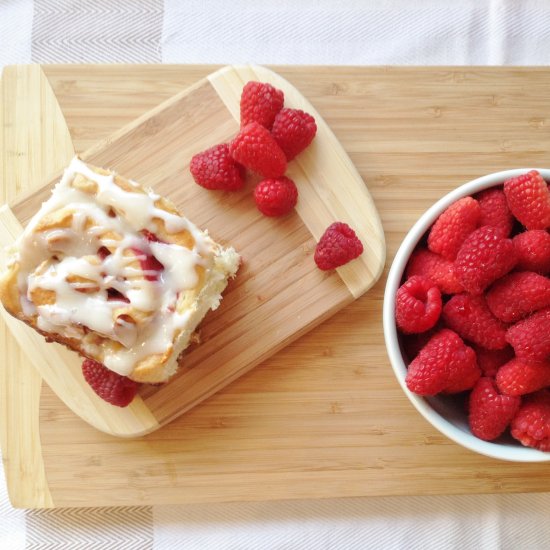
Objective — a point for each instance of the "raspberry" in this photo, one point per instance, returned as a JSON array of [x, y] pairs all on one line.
[[490, 412], [533, 250], [529, 200], [453, 226], [103, 252], [495, 211], [463, 375], [438, 269], [417, 305], [531, 425], [413, 343], [216, 169], [530, 338], [110, 386], [276, 197], [517, 295], [470, 317], [149, 264], [441, 364], [293, 130], [338, 245], [484, 257], [520, 376], [260, 102], [255, 148], [490, 360], [150, 237]]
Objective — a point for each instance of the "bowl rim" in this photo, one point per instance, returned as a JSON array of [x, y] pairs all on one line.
[[413, 236]]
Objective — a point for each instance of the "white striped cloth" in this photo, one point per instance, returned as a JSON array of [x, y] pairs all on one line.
[[421, 32]]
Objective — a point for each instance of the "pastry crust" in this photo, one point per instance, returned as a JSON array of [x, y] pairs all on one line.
[[114, 272]]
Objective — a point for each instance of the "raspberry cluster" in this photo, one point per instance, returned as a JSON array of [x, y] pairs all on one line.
[[270, 136], [474, 310]]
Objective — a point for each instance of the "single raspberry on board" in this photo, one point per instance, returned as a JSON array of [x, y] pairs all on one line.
[[215, 169], [434, 267], [255, 148], [260, 102], [521, 376], [469, 316], [530, 337], [444, 363], [529, 200], [338, 245], [495, 211], [293, 130], [417, 305], [490, 413], [531, 425], [490, 360], [484, 257], [110, 386], [453, 226], [518, 294], [533, 250], [276, 197]]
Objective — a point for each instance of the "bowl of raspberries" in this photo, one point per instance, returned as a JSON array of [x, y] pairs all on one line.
[[467, 315]]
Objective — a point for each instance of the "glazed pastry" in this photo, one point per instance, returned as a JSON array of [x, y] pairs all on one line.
[[114, 272]]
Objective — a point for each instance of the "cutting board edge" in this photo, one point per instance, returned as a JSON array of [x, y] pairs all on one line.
[[115, 427]]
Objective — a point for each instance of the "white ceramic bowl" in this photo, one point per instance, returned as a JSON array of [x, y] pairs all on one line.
[[443, 413]]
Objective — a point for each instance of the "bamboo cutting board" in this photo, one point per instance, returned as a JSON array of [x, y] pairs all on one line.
[[324, 417], [278, 294]]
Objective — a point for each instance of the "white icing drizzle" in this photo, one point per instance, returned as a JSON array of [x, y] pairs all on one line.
[[90, 288]]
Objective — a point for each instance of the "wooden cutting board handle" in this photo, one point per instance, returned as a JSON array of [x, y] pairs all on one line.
[[36, 142]]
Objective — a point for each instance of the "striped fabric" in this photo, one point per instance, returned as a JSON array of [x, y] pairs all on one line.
[[286, 31], [425, 32]]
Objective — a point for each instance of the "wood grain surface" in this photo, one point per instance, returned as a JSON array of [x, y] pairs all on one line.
[[325, 416], [279, 292]]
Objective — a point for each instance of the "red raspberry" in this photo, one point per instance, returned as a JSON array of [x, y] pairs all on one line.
[[495, 211], [529, 200], [517, 295], [255, 148], [260, 102], [417, 305], [150, 237], [470, 317], [149, 264], [453, 226], [533, 250], [413, 343], [520, 376], [438, 269], [276, 197], [530, 338], [293, 130], [484, 257], [490, 412], [338, 245], [463, 375], [110, 386], [440, 365], [490, 360], [531, 425], [103, 252], [216, 169]]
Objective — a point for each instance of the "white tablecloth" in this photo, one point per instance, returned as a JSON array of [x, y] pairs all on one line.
[[422, 32]]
